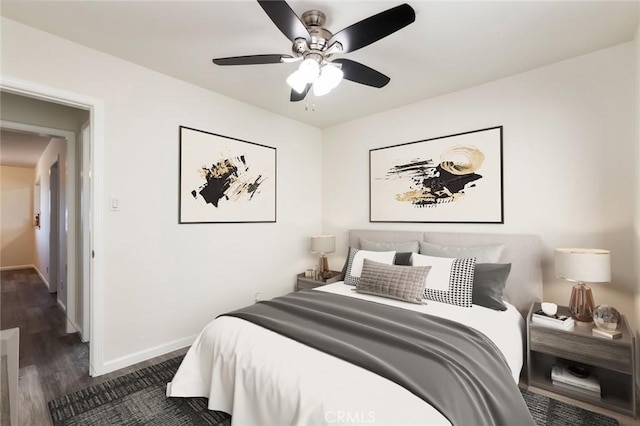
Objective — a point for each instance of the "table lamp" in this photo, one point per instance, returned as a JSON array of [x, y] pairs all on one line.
[[323, 244], [582, 266]]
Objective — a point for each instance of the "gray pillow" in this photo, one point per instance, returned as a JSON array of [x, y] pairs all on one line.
[[404, 283], [410, 246], [489, 280], [483, 254]]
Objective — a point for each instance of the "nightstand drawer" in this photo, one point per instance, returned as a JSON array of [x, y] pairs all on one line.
[[580, 348]]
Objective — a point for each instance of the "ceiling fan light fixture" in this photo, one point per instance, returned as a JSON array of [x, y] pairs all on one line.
[[297, 81], [320, 89], [332, 75], [310, 69], [329, 79]]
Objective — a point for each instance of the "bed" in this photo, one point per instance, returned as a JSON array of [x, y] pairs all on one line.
[[261, 376]]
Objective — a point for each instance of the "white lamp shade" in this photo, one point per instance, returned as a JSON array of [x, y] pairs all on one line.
[[583, 265], [310, 69], [297, 81], [323, 244], [330, 77], [320, 88]]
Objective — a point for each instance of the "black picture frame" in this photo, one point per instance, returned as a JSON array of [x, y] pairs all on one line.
[[456, 178], [225, 180]]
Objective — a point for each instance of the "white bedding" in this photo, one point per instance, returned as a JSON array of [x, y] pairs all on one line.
[[263, 378]]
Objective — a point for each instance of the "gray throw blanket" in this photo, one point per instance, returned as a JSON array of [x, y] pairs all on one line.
[[456, 369]]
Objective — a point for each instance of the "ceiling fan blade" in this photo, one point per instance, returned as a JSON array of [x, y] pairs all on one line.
[[285, 19], [358, 73], [296, 97], [252, 60], [374, 28]]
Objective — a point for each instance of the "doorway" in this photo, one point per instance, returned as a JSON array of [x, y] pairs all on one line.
[[94, 149]]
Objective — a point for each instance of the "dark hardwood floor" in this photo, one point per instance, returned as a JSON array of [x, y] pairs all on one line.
[[52, 362]]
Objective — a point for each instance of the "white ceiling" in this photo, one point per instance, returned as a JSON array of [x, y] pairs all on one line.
[[451, 46], [21, 149]]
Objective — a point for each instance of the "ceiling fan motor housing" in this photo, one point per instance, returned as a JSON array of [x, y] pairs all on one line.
[[314, 18], [314, 21]]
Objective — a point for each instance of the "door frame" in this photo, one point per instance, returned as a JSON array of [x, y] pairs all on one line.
[[54, 274], [95, 106], [86, 226]]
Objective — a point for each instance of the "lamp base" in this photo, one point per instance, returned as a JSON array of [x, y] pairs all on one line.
[[581, 303], [324, 270]]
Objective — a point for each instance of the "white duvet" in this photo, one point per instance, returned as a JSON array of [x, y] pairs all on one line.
[[263, 378]]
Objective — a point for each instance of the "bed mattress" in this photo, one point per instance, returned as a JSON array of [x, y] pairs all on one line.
[[261, 377]]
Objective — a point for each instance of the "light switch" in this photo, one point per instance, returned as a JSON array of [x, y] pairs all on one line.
[[114, 205]]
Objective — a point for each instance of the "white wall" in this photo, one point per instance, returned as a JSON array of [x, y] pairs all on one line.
[[16, 220], [165, 281], [570, 149]]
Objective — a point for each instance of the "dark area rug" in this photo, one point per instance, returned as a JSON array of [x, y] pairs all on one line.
[[551, 412], [139, 398]]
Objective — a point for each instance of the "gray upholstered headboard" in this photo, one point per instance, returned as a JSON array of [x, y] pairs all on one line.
[[522, 251]]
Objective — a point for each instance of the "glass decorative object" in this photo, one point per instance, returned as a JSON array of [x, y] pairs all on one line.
[[607, 318]]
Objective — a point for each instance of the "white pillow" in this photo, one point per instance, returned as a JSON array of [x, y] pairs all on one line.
[[356, 261], [450, 280]]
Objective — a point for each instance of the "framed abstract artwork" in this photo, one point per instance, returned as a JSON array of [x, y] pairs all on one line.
[[225, 180], [448, 179]]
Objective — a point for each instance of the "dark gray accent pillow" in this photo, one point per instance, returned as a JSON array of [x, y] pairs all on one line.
[[489, 280], [410, 246], [404, 283], [403, 258]]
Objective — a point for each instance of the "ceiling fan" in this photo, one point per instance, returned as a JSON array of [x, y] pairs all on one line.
[[316, 47]]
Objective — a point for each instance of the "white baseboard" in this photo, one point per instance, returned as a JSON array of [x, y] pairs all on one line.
[[129, 360], [44, 280], [72, 327], [62, 305], [11, 268]]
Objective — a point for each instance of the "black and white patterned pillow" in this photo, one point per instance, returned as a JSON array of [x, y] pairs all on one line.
[[449, 280], [355, 262]]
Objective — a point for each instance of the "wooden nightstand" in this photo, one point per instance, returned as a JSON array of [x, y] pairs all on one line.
[[612, 361], [304, 283]]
